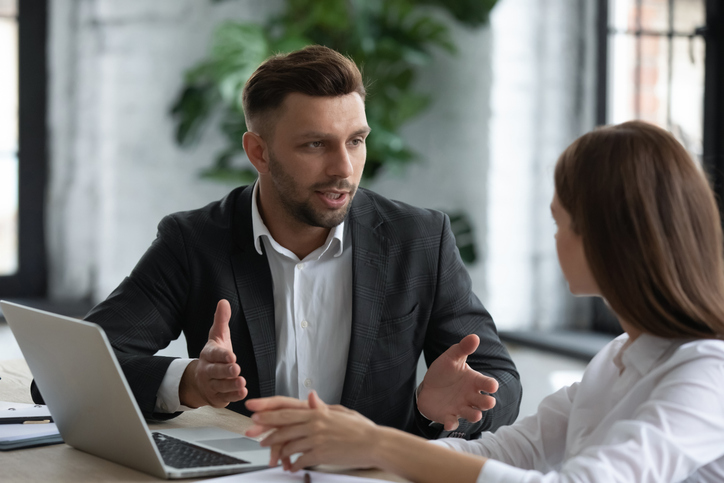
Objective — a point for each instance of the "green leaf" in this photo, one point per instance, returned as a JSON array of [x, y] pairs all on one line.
[[191, 110], [237, 51], [389, 39]]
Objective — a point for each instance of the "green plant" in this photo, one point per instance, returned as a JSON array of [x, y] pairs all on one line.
[[389, 39]]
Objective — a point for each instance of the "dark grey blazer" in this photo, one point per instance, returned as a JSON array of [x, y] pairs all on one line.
[[411, 294]]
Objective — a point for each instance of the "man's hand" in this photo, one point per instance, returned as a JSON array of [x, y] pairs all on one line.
[[452, 390], [214, 378]]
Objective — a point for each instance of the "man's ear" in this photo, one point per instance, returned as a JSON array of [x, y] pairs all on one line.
[[256, 150]]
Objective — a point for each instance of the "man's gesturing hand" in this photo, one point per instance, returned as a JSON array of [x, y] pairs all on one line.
[[214, 378], [451, 389]]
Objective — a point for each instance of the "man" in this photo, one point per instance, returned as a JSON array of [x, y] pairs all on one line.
[[303, 281]]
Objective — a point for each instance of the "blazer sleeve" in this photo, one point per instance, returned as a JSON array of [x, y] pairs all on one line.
[[457, 312], [144, 314]]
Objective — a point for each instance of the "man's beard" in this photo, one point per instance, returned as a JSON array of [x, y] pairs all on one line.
[[289, 193]]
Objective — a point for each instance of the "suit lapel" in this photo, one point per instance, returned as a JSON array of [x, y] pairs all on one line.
[[256, 294], [369, 276]]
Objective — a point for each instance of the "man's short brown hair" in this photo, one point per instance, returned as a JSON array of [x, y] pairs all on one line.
[[314, 71]]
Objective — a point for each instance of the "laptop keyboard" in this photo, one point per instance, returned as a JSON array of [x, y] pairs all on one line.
[[181, 454]]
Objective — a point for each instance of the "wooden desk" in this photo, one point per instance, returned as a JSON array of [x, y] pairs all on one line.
[[62, 463]]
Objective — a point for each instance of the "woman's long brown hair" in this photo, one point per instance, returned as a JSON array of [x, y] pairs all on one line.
[[650, 228]]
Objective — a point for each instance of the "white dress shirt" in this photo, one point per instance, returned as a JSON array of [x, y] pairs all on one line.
[[312, 315], [650, 410]]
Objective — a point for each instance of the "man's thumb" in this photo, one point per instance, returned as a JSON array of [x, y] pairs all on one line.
[[220, 328], [465, 347]]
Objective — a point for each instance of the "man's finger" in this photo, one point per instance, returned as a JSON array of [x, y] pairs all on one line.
[[220, 328], [482, 402], [213, 352], [464, 348], [450, 423], [471, 414], [221, 386], [219, 370], [486, 384]]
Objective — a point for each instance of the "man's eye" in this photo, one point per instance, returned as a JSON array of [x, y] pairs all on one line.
[[315, 144], [357, 142]]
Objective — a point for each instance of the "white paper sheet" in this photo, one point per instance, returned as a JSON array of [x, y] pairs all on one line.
[[278, 475], [15, 432]]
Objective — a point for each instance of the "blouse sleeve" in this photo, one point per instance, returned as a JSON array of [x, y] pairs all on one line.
[[675, 432], [536, 441]]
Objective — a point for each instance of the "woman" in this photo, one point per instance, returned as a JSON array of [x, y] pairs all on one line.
[[638, 226]]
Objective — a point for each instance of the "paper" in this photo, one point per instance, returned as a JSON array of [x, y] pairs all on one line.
[[16, 432], [11, 410], [278, 475], [16, 436]]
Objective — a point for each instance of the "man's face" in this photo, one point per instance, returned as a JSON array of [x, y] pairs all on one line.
[[316, 157]]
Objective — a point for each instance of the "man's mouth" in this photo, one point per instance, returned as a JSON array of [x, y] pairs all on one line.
[[334, 199]]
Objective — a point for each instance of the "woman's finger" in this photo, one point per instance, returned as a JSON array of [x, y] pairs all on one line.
[[302, 445], [274, 403], [285, 434], [306, 460], [282, 417]]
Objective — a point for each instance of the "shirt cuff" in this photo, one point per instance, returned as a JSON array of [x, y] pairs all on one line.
[[167, 398], [417, 391]]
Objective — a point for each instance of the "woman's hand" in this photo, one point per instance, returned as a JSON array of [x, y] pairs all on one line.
[[322, 433]]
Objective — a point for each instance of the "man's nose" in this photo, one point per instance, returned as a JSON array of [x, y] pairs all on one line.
[[340, 163]]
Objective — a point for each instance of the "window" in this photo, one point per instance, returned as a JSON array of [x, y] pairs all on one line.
[[660, 61], [22, 147], [656, 66], [8, 139]]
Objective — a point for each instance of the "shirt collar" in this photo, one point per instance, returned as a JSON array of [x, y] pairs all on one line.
[[642, 353], [260, 229]]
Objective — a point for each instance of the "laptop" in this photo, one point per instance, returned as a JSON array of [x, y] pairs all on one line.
[[91, 402]]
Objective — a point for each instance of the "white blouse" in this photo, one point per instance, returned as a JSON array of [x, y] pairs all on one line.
[[650, 410]]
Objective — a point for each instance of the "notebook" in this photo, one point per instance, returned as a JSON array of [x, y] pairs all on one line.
[[91, 402]]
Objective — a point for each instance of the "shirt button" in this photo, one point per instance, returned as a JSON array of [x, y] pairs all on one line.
[[305, 324], [307, 383], [300, 266]]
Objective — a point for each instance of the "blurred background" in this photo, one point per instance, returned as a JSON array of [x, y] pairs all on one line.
[[114, 114]]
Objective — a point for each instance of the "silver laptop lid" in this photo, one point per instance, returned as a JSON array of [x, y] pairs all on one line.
[[84, 387]]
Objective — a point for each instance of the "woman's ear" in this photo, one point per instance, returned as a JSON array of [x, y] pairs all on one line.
[[256, 150]]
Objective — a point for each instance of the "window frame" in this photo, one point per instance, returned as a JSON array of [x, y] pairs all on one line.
[[31, 278]]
